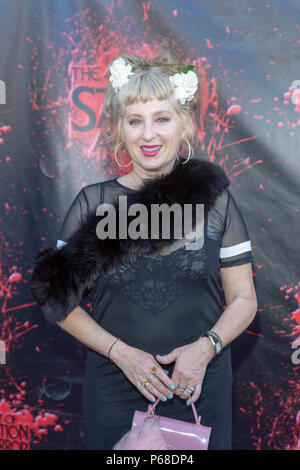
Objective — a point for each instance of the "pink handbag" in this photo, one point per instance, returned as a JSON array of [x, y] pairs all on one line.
[[150, 431]]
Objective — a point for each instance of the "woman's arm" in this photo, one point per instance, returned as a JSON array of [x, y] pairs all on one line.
[[241, 302], [83, 327], [192, 359]]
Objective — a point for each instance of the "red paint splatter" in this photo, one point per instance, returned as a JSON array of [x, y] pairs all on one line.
[[3, 130], [21, 426], [146, 7], [110, 9], [209, 45], [233, 109]]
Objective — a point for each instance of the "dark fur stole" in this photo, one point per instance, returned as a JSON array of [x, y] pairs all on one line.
[[63, 277]]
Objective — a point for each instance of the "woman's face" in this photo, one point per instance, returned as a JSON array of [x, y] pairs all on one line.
[[152, 133]]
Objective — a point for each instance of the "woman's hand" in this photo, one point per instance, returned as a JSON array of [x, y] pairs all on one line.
[[137, 366], [190, 367]]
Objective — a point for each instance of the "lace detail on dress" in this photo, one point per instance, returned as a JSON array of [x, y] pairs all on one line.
[[156, 282]]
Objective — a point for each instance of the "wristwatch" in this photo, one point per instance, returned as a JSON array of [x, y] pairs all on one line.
[[215, 341]]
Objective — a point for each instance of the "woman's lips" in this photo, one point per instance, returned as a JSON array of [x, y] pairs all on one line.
[[150, 151]]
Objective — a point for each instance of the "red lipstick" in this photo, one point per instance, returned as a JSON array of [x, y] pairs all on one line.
[[150, 150]]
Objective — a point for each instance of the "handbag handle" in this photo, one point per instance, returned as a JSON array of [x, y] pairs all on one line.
[[151, 411]]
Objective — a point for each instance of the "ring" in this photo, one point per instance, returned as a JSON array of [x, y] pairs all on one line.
[[190, 389], [182, 387], [151, 378], [146, 383], [154, 370]]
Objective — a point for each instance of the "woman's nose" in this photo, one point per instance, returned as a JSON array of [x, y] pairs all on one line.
[[148, 131]]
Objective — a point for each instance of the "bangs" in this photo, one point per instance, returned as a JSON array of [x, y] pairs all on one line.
[[146, 86]]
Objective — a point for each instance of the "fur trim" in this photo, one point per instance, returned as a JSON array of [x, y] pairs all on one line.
[[63, 277]]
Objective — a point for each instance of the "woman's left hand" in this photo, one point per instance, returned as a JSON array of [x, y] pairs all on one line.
[[190, 367]]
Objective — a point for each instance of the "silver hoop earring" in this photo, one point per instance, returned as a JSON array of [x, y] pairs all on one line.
[[189, 154], [116, 152]]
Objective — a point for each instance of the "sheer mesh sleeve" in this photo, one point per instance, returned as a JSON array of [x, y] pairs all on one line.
[[235, 246], [84, 204]]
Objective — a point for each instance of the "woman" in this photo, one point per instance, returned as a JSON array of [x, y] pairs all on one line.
[[159, 326]]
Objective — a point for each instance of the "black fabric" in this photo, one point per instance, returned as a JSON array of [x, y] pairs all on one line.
[[225, 224], [62, 277], [156, 302]]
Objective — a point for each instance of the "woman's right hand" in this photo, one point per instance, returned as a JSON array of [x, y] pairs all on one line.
[[136, 365]]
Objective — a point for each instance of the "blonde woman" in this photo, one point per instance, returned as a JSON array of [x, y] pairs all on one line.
[[164, 310]]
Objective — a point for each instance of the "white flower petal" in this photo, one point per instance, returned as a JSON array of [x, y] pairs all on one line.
[[120, 72], [185, 85]]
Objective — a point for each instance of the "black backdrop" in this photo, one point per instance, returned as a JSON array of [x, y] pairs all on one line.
[[53, 61]]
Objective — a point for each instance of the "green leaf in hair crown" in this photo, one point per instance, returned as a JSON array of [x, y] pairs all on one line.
[[188, 68]]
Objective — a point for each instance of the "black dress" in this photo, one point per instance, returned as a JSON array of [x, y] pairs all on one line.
[[156, 304]]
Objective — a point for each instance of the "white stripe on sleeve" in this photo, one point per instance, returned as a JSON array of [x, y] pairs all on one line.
[[235, 249]]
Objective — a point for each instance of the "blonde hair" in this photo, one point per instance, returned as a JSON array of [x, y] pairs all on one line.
[[150, 81]]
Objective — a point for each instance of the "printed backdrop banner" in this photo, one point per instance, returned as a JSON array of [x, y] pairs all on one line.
[[54, 59]]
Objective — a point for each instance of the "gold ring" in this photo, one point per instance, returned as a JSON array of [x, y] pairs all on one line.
[[146, 383], [154, 370], [181, 387]]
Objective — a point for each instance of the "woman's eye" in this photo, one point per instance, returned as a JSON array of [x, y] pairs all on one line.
[[136, 122]]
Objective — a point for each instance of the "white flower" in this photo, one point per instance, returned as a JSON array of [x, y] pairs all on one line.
[[185, 85], [120, 73]]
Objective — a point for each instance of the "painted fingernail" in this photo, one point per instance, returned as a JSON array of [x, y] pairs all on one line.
[[172, 387], [166, 371], [170, 395], [164, 399], [160, 357], [153, 399], [187, 403]]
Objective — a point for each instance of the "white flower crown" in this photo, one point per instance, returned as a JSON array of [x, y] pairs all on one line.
[[185, 82]]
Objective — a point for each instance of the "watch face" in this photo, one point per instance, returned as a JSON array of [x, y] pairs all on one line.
[[216, 343]]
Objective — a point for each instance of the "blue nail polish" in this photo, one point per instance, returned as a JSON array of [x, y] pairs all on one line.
[[170, 395], [153, 400], [164, 399], [166, 371], [160, 357], [172, 387], [188, 403]]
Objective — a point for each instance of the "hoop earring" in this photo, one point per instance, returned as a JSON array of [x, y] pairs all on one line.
[[116, 152], [190, 152]]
